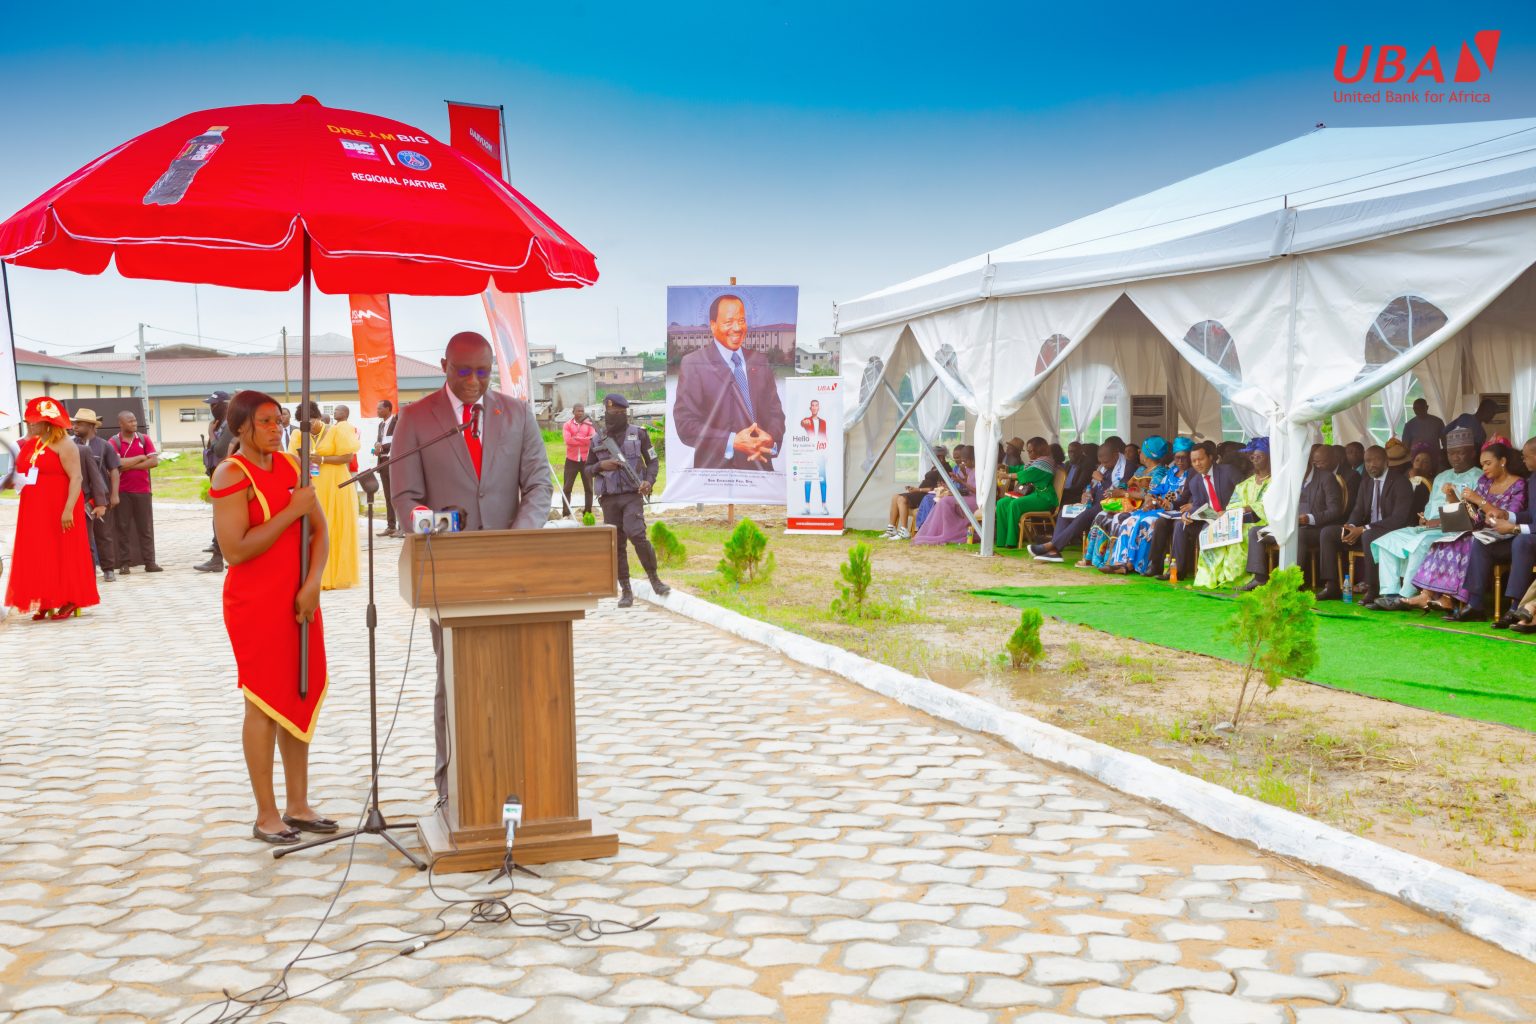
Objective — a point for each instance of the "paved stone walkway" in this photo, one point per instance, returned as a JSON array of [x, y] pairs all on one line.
[[814, 853]]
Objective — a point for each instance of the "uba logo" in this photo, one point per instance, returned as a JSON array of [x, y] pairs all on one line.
[[1391, 62]]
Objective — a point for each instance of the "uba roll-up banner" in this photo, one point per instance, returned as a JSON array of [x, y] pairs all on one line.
[[475, 131], [814, 502], [729, 349], [373, 345]]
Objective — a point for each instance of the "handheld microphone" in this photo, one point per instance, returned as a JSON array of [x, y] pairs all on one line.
[[511, 816]]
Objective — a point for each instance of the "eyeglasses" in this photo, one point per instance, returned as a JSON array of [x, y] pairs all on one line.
[[464, 372]]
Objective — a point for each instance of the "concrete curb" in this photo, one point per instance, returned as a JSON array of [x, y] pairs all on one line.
[[1479, 908]]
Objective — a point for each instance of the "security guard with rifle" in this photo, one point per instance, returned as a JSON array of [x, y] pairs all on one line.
[[625, 467]]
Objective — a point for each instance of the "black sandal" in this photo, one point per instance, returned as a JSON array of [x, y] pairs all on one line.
[[318, 825], [287, 837]]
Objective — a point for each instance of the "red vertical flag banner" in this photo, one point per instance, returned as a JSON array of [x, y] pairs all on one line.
[[476, 131], [373, 344], [509, 338]]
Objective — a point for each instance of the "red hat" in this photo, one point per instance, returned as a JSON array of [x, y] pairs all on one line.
[[46, 410]]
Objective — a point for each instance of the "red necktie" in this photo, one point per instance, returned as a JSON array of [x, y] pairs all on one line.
[[1210, 485], [472, 435]]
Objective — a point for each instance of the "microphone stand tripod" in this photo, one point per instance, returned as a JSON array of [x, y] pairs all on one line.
[[374, 823]]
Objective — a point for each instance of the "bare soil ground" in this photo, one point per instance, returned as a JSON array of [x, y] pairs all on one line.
[[1458, 792]]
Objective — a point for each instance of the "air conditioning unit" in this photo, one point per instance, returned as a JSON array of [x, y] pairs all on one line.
[[1151, 414]]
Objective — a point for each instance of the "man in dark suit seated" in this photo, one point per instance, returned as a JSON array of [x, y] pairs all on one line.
[[1108, 477], [1208, 484], [727, 407], [1321, 504], [1518, 547], [1384, 504]]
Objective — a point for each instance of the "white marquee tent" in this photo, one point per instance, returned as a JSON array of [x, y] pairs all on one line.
[[1295, 284]]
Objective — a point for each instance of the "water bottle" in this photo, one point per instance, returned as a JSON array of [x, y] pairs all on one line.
[[173, 184], [1349, 589]]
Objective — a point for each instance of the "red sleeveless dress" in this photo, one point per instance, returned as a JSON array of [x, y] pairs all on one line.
[[258, 607], [50, 566]]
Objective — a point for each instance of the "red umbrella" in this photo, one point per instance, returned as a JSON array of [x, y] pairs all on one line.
[[271, 195]]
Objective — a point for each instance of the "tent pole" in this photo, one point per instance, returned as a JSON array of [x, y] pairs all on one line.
[[889, 441], [10, 336], [937, 462], [304, 480]]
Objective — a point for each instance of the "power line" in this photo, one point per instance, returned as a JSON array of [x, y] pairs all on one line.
[[86, 346]]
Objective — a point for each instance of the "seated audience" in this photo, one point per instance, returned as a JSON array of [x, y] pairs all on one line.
[[1423, 428], [1343, 469], [1207, 484], [1127, 544], [1031, 487], [1400, 553], [1321, 504], [946, 524], [1442, 577], [1384, 504], [909, 500], [1108, 481], [1084, 463], [1517, 546], [1058, 455], [1421, 474], [1222, 567]]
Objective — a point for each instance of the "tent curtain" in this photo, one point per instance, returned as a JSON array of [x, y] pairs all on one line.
[[1086, 385], [1439, 377], [933, 411], [1351, 424]]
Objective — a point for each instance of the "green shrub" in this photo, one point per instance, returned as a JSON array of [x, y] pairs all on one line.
[[588, 519], [857, 573], [1024, 647], [747, 559], [1275, 625], [669, 550], [204, 490]]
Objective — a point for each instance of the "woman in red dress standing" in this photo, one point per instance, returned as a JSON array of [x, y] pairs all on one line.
[[52, 575], [258, 502]]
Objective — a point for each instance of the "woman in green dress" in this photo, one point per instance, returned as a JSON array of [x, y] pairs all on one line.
[[1224, 566], [1035, 491]]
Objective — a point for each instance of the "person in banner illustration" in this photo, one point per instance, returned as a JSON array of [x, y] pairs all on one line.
[[815, 469], [727, 408]]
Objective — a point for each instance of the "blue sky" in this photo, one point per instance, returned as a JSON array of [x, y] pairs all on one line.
[[837, 147]]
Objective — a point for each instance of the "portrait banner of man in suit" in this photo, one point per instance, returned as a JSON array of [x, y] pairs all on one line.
[[729, 350]]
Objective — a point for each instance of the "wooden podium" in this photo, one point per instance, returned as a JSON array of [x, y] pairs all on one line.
[[506, 601]]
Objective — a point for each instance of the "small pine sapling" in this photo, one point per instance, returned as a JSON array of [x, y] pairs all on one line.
[[858, 573], [588, 519], [745, 551], [1274, 623], [669, 549], [1024, 647]]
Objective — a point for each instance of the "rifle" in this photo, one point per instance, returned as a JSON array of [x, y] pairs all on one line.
[[613, 450]]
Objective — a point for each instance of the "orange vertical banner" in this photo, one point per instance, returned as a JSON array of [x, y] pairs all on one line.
[[509, 339], [373, 345]]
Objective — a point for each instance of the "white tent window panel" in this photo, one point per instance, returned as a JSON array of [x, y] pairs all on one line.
[[1406, 321], [1213, 343]]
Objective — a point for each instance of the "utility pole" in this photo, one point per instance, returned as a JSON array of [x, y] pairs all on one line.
[[144, 390], [197, 314], [286, 396], [730, 510]]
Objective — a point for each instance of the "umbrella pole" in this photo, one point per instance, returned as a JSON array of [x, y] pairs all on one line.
[[304, 481]]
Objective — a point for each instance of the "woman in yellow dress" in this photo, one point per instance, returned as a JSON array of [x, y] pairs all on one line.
[[331, 449]]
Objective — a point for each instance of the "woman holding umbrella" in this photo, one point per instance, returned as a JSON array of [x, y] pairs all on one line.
[[258, 503], [52, 574]]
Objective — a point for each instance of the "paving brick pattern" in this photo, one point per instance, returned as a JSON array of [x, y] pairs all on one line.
[[813, 853]]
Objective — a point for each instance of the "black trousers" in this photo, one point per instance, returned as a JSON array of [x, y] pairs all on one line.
[[103, 540], [1070, 531], [626, 513], [1258, 550], [1331, 546], [576, 469], [135, 530], [1522, 567], [1480, 563], [389, 508]]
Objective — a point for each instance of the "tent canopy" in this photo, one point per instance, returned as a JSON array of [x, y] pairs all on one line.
[[1296, 282]]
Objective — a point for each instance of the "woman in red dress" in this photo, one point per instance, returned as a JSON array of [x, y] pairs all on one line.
[[52, 575], [258, 502]]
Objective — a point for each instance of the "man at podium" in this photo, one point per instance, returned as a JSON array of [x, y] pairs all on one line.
[[496, 471]]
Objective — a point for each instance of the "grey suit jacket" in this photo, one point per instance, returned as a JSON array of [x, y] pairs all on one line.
[[515, 485]]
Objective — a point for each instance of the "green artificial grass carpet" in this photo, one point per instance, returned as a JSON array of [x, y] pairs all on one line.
[[1406, 657]]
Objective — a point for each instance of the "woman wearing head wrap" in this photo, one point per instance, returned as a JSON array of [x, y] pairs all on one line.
[[1131, 548], [51, 571], [1224, 566], [1032, 488]]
